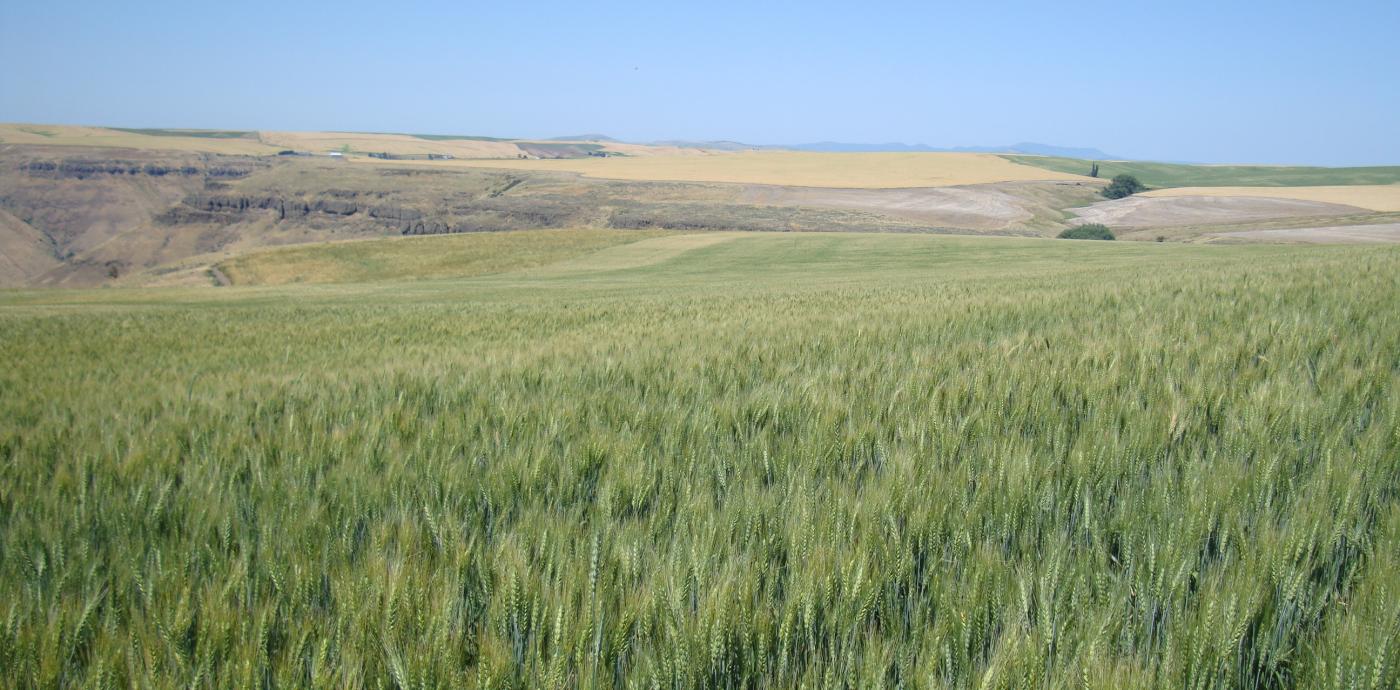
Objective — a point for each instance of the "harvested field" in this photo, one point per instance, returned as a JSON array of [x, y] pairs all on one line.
[[71, 135], [983, 207], [801, 169], [1380, 197], [401, 144], [268, 143], [1184, 175], [979, 206], [627, 149], [1346, 234], [1157, 211]]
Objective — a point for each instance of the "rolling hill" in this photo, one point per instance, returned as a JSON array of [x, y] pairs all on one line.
[[89, 205]]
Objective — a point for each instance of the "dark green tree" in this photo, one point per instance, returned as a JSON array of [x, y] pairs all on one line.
[[1091, 231], [1094, 169], [1123, 185]]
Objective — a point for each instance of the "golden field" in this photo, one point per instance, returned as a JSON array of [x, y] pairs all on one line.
[[801, 169], [266, 143], [433, 256], [74, 135], [402, 144]]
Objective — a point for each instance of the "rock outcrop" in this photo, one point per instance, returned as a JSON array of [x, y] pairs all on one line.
[[81, 169]]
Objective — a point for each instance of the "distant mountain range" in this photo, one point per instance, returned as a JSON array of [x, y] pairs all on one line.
[[1030, 148]]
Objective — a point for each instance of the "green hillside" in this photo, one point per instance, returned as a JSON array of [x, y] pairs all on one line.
[[1179, 175]]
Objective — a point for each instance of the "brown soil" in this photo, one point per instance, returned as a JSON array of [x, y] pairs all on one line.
[[1348, 234], [982, 207], [1148, 212]]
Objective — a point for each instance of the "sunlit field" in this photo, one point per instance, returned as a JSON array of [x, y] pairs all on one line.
[[801, 169], [729, 461]]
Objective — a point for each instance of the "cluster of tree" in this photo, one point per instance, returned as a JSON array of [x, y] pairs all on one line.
[[1123, 185], [1091, 231]]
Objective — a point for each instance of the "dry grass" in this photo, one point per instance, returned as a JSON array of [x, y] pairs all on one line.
[[1331, 234], [801, 169], [1374, 197], [441, 256], [647, 252], [73, 135], [24, 252], [649, 150], [263, 143], [408, 144], [401, 144]]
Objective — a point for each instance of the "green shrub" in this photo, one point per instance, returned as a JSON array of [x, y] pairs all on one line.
[[1123, 185], [1092, 231]]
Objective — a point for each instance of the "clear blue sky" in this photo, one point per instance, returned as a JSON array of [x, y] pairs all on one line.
[[1283, 81]]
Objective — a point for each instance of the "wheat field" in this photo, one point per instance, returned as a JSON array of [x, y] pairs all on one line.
[[801, 169], [403, 144], [761, 461]]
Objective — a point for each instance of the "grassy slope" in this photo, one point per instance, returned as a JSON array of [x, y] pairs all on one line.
[[197, 133], [445, 256], [1177, 175], [173, 140], [762, 460]]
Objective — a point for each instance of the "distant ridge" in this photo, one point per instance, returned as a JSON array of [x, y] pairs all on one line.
[[1026, 148], [586, 137], [714, 145]]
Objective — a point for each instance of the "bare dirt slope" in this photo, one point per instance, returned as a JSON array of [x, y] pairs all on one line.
[[1148, 212], [81, 216], [83, 201], [111, 215], [1348, 234], [983, 207], [1374, 197], [25, 253]]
